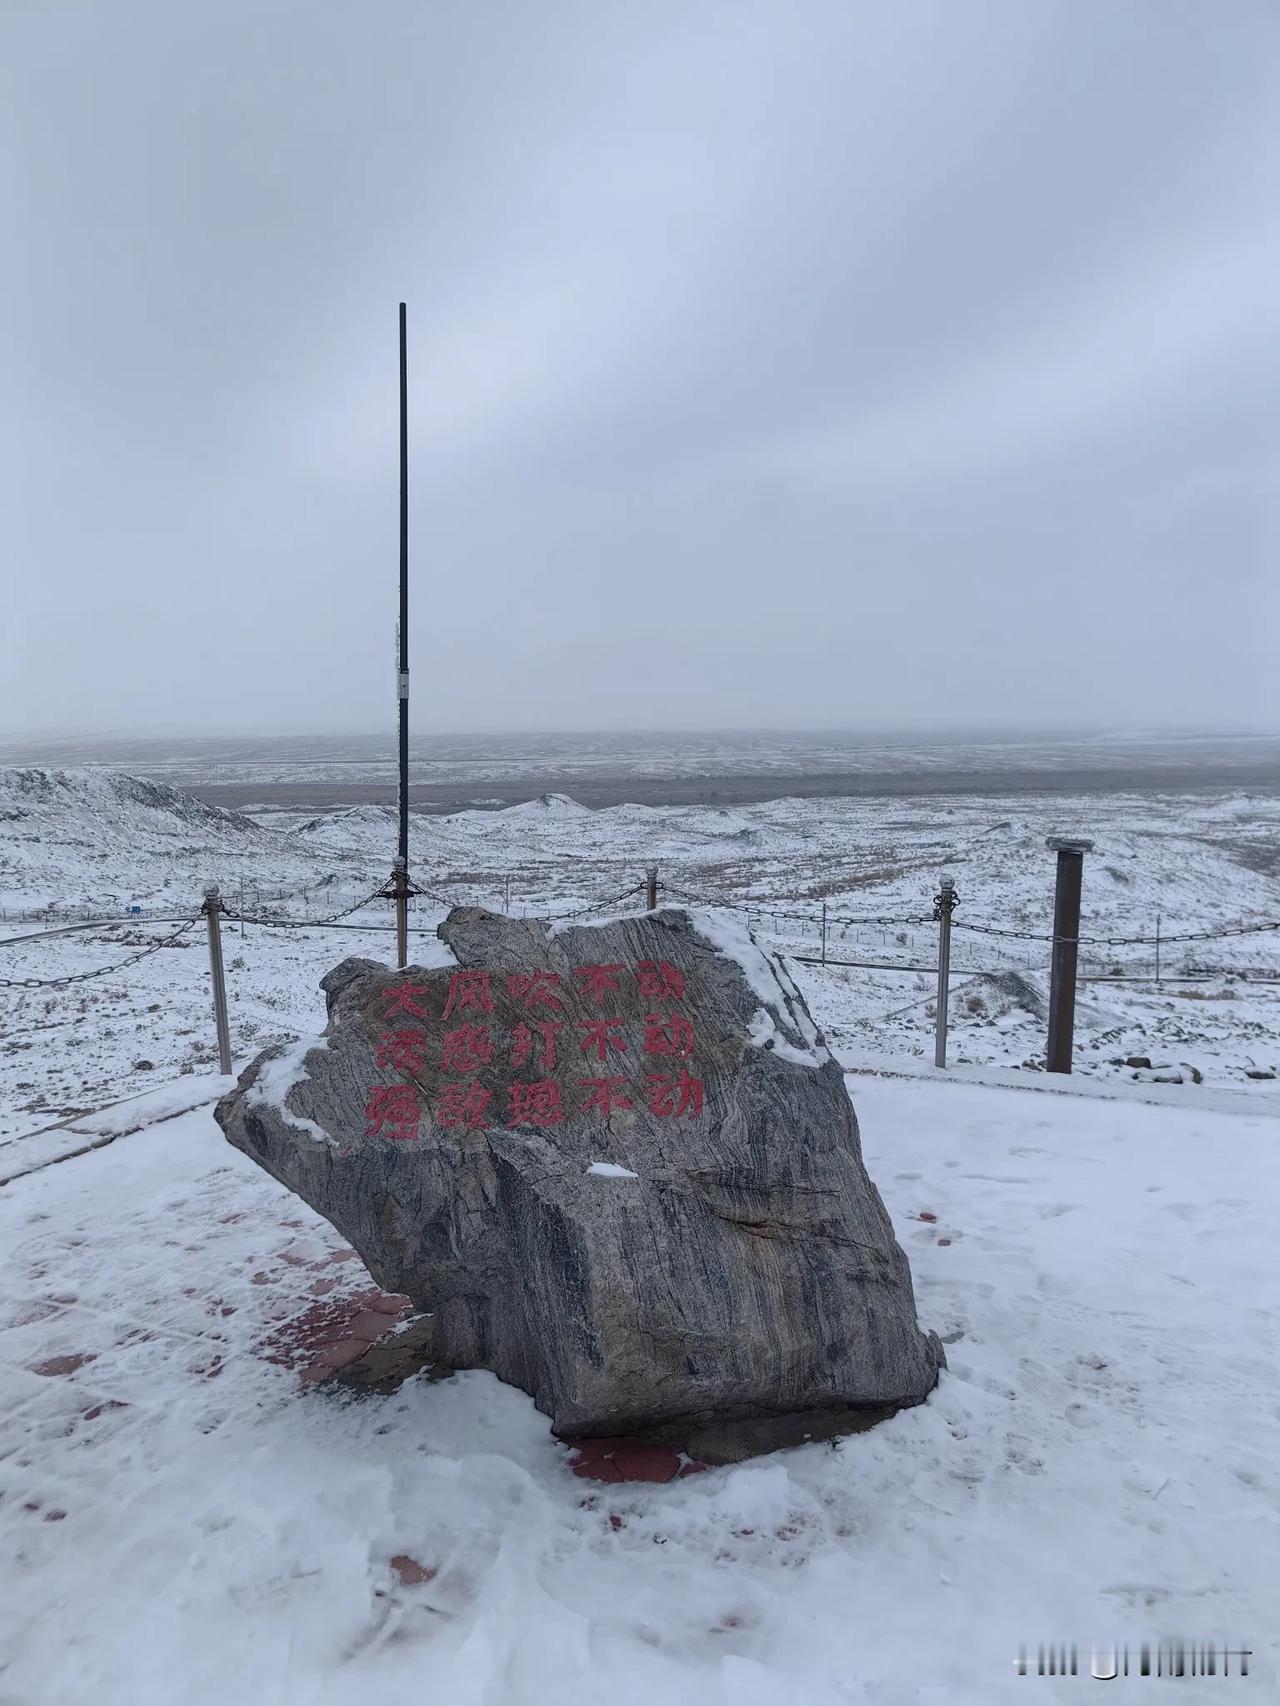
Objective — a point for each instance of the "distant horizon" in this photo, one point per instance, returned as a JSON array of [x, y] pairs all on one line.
[[956, 734], [316, 773]]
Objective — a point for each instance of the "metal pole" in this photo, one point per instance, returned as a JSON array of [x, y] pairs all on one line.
[[1157, 947], [1066, 950], [824, 932], [399, 889], [400, 894], [211, 908], [651, 889], [402, 682], [943, 904]]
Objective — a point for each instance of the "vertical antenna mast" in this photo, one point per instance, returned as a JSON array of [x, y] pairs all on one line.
[[403, 683], [399, 890]]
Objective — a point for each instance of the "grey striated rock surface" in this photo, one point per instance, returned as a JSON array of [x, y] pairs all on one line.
[[617, 1164]]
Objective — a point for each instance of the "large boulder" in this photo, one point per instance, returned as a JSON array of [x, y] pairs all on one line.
[[617, 1164]]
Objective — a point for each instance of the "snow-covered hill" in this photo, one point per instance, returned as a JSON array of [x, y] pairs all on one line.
[[100, 838], [52, 800]]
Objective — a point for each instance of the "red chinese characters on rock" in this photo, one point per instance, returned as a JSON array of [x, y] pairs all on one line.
[[660, 981], [602, 1035], [468, 993], [402, 1051], [535, 987], [524, 1039], [403, 998], [466, 1049], [674, 1097], [539, 1103], [463, 1105], [603, 1095], [598, 981], [668, 1033], [392, 1110]]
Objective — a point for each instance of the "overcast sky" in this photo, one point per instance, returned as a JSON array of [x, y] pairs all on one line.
[[780, 364]]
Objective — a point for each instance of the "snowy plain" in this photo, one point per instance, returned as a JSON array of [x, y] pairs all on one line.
[[183, 1519]]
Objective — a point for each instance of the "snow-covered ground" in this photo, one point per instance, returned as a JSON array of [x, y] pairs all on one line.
[[100, 841], [182, 1521]]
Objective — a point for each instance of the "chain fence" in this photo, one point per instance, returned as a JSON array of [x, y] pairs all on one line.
[[894, 941], [826, 932], [305, 923], [98, 971]]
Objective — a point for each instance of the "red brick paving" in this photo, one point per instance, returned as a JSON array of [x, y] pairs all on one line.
[[616, 1460], [369, 1325], [64, 1364], [96, 1410], [647, 1462], [390, 1302], [312, 1332], [332, 1330], [27, 1313], [339, 1354]]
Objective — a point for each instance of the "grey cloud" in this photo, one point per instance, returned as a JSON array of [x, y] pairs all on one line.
[[772, 364]]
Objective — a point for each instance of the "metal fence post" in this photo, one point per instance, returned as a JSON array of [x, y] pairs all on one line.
[[400, 894], [651, 889], [824, 932], [211, 908], [1157, 948], [943, 903], [1066, 949]]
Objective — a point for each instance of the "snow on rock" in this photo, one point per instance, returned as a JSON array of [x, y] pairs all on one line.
[[611, 1170], [279, 1075], [768, 980]]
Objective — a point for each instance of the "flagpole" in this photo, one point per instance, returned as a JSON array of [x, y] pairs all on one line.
[[400, 870]]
